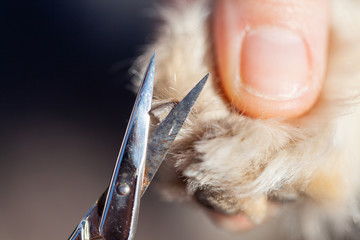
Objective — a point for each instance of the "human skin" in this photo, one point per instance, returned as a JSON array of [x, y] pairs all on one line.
[[271, 54]]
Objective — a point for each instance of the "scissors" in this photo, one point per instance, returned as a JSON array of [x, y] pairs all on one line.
[[114, 215]]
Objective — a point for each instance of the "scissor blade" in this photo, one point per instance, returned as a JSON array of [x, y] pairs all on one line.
[[114, 215], [119, 217], [162, 138]]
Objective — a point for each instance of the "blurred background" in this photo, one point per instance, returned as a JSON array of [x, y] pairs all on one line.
[[64, 105]]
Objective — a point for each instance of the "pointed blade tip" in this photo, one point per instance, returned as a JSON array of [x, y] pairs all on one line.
[[152, 59], [205, 78], [202, 82], [150, 72], [198, 87], [151, 66]]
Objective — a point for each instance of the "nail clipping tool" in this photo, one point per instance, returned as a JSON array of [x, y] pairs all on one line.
[[114, 215]]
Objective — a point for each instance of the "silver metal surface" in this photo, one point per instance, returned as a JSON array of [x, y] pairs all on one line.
[[114, 216], [123, 189], [120, 214], [161, 139]]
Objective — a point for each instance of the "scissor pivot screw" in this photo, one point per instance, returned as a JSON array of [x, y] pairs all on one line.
[[123, 189]]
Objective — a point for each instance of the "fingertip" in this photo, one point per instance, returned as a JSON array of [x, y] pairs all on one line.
[[268, 68]]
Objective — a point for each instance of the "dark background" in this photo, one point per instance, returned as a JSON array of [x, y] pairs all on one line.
[[64, 105]]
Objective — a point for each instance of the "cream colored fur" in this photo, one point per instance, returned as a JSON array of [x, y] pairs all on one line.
[[315, 158]]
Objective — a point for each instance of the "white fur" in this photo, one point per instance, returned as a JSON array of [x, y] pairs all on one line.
[[245, 158]]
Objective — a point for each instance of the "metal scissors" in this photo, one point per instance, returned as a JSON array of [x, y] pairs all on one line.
[[114, 215]]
